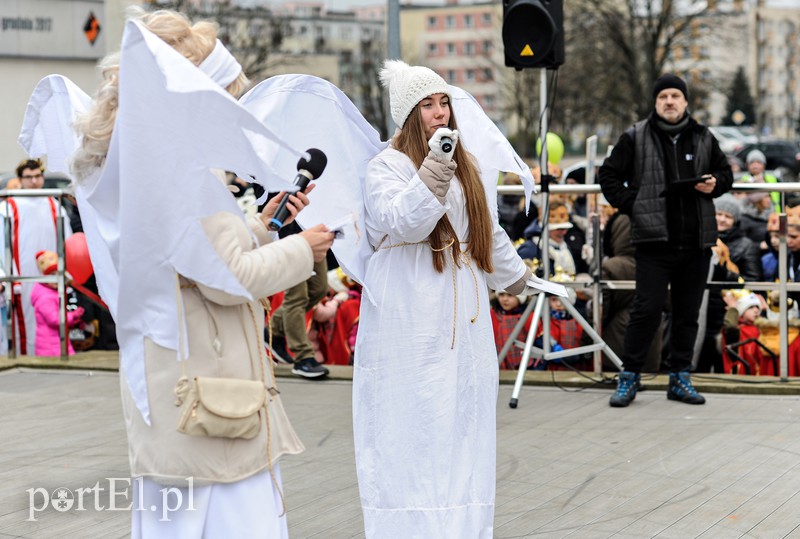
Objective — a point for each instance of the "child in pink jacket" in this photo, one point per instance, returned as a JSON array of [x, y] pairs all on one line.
[[45, 301]]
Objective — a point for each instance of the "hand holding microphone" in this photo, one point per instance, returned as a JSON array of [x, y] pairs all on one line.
[[307, 169], [438, 166], [443, 143]]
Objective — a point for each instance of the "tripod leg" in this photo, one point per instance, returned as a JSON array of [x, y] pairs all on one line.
[[523, 363], [592, 333]]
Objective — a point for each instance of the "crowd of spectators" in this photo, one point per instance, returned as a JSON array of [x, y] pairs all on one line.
[[746, 252]]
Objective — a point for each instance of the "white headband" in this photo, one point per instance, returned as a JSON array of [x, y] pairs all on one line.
[[221, 66]]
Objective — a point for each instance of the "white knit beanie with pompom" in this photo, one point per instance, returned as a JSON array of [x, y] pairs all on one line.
[[408, 85]]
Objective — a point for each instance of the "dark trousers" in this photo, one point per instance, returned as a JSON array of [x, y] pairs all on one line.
[[289, 320], [657, 268]]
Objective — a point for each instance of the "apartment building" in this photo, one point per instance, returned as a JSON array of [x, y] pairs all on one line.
[[460, 42], [42, 37], [773, 68]]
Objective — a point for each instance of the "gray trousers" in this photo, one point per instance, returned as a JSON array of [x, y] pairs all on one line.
[[289, 320]]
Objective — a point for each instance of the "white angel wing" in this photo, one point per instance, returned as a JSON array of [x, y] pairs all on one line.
[[47, 126], [491, 148], [47, 129], [317, 114]]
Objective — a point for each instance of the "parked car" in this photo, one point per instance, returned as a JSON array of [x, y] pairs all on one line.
[[745, 134], [728, 143], [783, 156], [52, 180]]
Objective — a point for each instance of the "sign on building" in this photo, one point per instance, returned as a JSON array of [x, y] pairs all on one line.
[[52, 28]]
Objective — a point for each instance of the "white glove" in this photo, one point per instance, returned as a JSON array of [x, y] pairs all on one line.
[[435, 143]]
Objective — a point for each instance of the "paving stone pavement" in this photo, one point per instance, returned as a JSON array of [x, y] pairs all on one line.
[[568, 465]]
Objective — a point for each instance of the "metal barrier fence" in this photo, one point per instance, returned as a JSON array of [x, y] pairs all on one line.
[[597, 284], [11, 277]]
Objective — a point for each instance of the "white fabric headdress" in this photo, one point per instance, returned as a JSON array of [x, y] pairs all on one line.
[[221, 66], [408, 85], [745, 302]]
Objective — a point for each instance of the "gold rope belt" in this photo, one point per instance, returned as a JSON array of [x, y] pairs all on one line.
[[463, 257]]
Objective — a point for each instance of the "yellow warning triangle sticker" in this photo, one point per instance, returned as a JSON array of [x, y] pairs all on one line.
[[527, 51]]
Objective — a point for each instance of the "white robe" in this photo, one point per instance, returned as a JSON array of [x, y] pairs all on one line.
[[423, 412], [246, 508], [37, 232]]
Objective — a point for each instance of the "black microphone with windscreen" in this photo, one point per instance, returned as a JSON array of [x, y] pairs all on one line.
[[447, 144], [307, 170]]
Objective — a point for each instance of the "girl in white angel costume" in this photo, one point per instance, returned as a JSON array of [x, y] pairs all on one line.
[[236, 488], [426, 374]]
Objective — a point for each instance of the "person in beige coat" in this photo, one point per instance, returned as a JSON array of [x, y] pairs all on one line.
[[202, 486]]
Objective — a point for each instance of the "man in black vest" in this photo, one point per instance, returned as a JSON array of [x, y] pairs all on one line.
[[664, 172]]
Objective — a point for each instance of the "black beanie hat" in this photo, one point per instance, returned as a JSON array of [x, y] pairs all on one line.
[[668, 80], [577, 174]]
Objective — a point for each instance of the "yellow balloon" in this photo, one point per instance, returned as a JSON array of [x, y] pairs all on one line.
[[555, 148]]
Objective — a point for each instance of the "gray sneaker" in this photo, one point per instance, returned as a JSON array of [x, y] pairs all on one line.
[[309, 368], [681, 389], [627, 385]]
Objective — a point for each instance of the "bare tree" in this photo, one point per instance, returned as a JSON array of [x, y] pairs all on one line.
[[614, 50], [643, 37], [373, 105], [253, 34]]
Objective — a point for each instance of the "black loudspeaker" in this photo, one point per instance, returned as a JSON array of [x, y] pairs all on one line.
[[533, 33]]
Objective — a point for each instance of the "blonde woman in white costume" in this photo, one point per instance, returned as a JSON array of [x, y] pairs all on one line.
[[234, 484]]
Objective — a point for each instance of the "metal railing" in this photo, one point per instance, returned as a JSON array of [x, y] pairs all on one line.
[[9, 269], [596, 284]]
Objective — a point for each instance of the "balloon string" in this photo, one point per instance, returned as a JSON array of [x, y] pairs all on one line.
[[89, 294]]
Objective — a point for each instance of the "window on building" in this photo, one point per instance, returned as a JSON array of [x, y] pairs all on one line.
[[470, 75], [469, 48], [488, 102], [431, 22], [487, 74], [449, 21], [487, 46], [468, 22], [451, 76], [451, 49], [433, 49], [487, 19]]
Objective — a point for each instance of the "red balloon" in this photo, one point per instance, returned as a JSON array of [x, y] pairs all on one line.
[[79, 265]]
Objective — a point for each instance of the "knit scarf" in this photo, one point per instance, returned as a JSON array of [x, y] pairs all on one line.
[[672, 129]]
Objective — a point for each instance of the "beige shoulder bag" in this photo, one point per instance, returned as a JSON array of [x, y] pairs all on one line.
[[219, 407]]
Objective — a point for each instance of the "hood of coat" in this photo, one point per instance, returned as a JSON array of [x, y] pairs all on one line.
[[617, 241]]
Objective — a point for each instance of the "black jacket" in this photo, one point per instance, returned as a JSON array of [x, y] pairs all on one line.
[[638, 179], [743, 252]]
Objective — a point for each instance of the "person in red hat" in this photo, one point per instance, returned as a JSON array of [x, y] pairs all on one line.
[[46, 301]]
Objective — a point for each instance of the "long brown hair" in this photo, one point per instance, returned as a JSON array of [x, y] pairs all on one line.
[[411, 141]]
